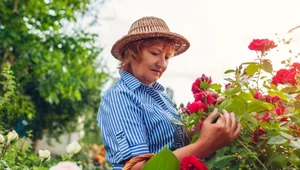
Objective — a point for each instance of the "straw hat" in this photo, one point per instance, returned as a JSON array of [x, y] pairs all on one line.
[[149, 27]]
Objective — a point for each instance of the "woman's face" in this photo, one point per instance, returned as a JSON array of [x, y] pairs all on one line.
[[153, 61]]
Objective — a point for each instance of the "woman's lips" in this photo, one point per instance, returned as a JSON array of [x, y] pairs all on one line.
[[157, 71]]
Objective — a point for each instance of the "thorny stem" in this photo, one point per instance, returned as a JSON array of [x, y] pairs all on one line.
[[241, 143]]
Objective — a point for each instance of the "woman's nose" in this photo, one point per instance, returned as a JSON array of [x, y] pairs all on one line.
[[162, 62]]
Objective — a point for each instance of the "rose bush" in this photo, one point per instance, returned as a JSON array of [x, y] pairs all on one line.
[[266, 103]]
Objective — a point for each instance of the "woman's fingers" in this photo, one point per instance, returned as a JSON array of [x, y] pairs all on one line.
[[237, 130], [228, 119], [233, 120], [212, 116]]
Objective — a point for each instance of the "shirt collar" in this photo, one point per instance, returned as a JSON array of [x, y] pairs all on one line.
[[133, 83]]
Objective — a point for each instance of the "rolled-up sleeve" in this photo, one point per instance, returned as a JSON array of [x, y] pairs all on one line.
[[123, 131]]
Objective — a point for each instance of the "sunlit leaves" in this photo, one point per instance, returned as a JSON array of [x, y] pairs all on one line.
[[252, 69], [267, 66]]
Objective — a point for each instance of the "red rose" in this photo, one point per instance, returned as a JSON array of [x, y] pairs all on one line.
[[257, 134], [257, 95], [192, 163], [293, 126], [296, 67], [265, 118], [262, 45], [275, 99], [284, 76], [284, 119], [204, 97], [280, 108], [195, 107], [268, 98], [196, 86], [228, 85]]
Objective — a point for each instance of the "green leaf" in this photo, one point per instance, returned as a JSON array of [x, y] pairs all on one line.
[[267, 105], [294, 159], [246, 96], [176, 122], [279, 160], [252, 69], [297, 107], [282, 95], [295, 143], [193, 120], [204, 85], [288, 136], [215, 86], [229, 71], [272, 93], [221, 160], [276, 140], [165, 159], [297, 152], [295, 119], [225, 104], [274, 87], [257, 106], [267, 66], [249, 118], [238, 107], [289, 89]]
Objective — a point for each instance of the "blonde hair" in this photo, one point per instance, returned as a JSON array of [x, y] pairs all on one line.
[[132, 50]]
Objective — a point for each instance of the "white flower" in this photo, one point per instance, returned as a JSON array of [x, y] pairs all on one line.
[[2, 140], [73, 148], [12, 136], [66, 166], [44, 154]]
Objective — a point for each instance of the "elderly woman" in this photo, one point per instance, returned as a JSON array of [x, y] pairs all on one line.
[[135, 115]]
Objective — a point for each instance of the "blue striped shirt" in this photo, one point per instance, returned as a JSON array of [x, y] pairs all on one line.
[[136, 119]]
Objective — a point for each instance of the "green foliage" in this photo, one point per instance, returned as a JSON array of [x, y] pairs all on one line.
[[269, 115], [13, 106], [165, 159], [20, 155], [56, 68]]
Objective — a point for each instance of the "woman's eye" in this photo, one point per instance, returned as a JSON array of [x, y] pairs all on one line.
[[167, 57], [154, 53]]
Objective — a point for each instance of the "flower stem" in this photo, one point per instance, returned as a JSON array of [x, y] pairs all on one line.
[[40, 163], [259, 70], [241, 143], [6, 146]]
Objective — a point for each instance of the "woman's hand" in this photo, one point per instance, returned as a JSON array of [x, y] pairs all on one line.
[[214, 136]]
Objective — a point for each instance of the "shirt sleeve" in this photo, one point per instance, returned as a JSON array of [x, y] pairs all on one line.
[[123, 131]]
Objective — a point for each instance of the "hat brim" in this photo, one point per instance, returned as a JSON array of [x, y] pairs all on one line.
[[181, 43]]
